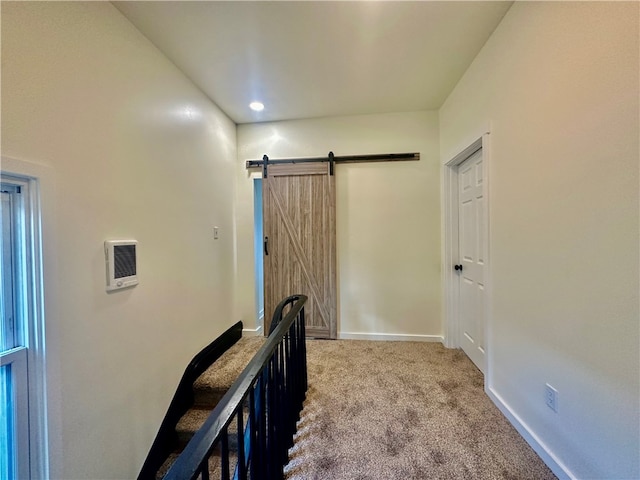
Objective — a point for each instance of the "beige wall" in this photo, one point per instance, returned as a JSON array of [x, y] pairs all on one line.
[[388, 227], [558, 83], [134, 150]]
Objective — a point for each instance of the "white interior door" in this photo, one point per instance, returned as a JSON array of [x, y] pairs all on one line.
[[471, 269]]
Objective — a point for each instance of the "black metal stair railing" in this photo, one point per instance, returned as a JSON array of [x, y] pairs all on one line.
[[274, 386]]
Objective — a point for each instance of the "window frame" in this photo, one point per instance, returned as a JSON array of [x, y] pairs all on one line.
[[31, 403], [16, 360]]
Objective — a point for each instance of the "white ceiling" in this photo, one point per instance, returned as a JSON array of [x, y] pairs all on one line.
[[317, 58]]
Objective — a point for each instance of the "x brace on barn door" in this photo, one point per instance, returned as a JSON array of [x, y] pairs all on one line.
[[332, 159]]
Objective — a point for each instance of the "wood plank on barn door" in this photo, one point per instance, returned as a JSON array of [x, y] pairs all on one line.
[[300, 257]]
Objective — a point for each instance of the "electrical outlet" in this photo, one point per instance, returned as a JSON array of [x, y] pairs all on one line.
[[551, 397]]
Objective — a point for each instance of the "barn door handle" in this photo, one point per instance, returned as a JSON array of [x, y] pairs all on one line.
[[458, 267], [266, 245]]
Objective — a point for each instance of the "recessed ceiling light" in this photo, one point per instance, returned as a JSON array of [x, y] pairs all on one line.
[[256, 106]]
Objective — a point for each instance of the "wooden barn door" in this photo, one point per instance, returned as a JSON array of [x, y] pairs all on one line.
[[300, 242]]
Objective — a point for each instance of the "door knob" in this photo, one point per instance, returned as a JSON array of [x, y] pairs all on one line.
[[266, 245], [458, 267]]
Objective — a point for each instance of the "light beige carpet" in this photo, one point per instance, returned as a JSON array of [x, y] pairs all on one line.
[[402, 410]]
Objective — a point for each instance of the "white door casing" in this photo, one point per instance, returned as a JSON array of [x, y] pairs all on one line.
[[471, 258]]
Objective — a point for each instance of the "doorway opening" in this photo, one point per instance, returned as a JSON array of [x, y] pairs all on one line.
[[258, 251]]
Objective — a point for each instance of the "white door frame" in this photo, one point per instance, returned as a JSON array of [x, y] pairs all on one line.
[[450, 254]]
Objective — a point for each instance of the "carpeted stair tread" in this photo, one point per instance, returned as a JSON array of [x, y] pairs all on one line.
[[162, 471], [190, 423], [215, 465], [210, 387], [193, 420]]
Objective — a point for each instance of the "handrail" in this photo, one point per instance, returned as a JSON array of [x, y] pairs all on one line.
[[279, 310], [275, 383], [166, 439]]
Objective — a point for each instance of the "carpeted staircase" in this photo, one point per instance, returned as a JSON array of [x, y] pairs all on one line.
[[208, 389]]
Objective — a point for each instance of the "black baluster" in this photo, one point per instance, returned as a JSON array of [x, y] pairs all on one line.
[[242, 466], [224, 454], [205, 469], [253, 433]]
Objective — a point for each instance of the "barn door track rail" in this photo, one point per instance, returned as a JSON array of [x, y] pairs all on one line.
[[332, 159]]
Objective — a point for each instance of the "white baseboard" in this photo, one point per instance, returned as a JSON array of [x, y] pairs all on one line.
[[389, 337], [252, 332], [544, 452]]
